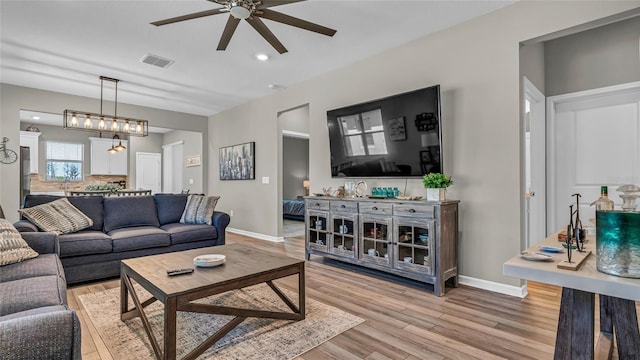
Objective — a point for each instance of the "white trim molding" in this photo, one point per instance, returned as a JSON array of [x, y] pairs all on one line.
[[295, 134], [510, 290], [277, 239]]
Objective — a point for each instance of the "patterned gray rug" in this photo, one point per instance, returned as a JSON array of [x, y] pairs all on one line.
[[262, 339]]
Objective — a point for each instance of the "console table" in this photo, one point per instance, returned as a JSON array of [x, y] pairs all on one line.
[[412, 239], [575, 336]]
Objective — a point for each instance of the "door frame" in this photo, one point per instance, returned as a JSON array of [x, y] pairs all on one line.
[[537, 100], [552, 103]]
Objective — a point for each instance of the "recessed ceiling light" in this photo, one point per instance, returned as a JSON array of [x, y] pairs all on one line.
[[262, 57], [35, 117]]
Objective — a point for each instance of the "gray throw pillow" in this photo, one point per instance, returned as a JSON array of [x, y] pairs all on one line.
[[199, 209], [58, 216], [13, 248]]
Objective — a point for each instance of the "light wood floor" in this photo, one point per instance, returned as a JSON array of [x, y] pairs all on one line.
[[404, 320]]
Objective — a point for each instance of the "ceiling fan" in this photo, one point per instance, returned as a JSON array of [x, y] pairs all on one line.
[[253, 11]]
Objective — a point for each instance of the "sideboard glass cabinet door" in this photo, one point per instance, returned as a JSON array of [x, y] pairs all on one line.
[[344, 234], [375, 240], [414, 246], [317, 230]]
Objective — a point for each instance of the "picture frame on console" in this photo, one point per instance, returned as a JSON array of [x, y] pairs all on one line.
[[237, 162]]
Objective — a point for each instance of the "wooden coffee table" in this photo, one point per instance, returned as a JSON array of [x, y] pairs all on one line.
[[245, 266]]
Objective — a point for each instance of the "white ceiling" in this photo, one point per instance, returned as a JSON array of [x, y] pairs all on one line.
[[64, 46]]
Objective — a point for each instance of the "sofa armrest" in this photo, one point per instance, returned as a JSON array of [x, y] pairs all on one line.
[[53, 335], [42, 242], [220, 220], [25, 226]]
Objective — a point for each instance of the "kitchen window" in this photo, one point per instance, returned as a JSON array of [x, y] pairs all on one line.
[[64, 161]]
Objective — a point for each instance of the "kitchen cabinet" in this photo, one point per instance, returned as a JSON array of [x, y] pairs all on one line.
[[105, 163], [31, 140]]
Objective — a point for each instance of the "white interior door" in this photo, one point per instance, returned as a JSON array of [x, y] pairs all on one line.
[[535, 163], [595, 141], [172, 165], [148, 171]]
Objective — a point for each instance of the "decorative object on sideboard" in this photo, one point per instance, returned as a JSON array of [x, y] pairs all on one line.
[[629, 195], [618, 244], [102, 123], [436, 184]]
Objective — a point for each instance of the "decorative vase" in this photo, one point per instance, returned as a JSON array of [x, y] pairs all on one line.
[[436, 194]]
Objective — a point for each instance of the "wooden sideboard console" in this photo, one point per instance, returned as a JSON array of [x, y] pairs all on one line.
[[412, 239]]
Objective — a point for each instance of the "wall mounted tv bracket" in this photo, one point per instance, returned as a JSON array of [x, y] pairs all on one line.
[[426, 122]]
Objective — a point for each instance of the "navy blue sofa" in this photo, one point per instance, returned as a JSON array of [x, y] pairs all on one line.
[[123, 228]]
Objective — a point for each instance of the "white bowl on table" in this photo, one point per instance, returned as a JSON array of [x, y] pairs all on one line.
[[209, 260]]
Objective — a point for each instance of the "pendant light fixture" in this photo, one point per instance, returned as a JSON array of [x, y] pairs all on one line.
[[103, 123]]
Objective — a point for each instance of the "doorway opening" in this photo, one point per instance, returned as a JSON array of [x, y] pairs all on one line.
[[294, 170]]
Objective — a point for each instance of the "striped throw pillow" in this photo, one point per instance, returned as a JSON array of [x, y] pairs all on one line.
[[199, 209], [13, 248], [58, 216]]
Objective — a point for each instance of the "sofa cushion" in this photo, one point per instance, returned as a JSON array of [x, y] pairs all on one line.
[[45, 264], [140, 237], [31, 312], [92, 207], [31, 293], [58, 216], [199, 209], [84, 243], [127, 211], [13, 248], [170, 207], [184, 233]]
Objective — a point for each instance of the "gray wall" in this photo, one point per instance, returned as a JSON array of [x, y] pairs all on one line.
[[295, 166], [596, 58], [15, 98], [532, 64], [192, 146], [477, 65]]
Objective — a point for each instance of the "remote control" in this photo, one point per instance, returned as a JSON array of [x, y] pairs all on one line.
[[179, 272]]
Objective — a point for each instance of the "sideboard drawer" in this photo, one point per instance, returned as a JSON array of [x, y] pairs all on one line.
[[372, 207], [344, 206], [413, 210], [317, 204]]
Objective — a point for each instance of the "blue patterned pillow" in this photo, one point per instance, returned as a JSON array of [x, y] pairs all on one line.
[[199, 209]]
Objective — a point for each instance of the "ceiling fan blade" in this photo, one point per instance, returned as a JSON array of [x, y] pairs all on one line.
[[190, 16], [229, 29], [294, 21], [272, 3], [266, 34]]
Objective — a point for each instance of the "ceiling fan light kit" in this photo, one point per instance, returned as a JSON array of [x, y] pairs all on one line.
[[252, 11], [101, 123]]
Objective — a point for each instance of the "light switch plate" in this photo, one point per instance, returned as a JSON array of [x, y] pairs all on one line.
[[265, 179]]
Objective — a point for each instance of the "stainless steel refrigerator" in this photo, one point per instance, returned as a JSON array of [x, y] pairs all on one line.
[[25, 176]]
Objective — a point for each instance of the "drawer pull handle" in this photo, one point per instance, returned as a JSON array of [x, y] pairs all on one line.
[[374, 208], [412, 210], [342, 206], [317, 204]]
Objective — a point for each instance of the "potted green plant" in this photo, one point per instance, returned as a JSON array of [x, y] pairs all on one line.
[[436, 184]]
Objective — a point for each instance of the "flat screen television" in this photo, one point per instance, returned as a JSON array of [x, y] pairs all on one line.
[[397, 136]]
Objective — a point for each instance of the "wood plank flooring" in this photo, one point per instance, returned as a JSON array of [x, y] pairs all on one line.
[[404, 320]]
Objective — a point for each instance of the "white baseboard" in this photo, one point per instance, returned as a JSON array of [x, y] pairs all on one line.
[[256, 235], [511, 290]]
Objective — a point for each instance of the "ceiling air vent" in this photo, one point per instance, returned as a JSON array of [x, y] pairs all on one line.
[[156, 60]]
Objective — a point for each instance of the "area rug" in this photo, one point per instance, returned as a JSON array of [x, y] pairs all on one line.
[[263, 339]]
